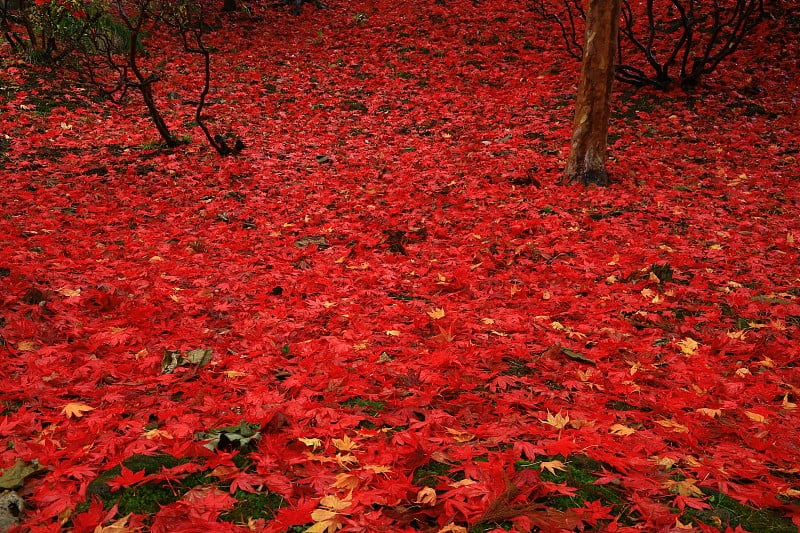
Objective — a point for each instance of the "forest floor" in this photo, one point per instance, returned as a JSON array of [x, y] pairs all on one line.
[[385, 314]]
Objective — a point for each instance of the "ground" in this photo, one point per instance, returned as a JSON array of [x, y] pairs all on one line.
[[384, 313]]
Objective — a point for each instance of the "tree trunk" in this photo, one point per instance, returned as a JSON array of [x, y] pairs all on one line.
[[587, 153]]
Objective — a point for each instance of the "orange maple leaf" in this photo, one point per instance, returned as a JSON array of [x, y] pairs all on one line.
[[76, 410]]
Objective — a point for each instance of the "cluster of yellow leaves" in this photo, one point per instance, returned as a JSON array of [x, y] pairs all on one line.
[[328, 518]]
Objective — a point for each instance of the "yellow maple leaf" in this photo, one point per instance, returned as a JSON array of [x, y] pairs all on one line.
[[463, 483], [452, 528], [26, 346], [346, 459], [335, 503], [619, 429], [75, 410], [674, 426], [557, 420], [345, 444], [460, 436], [234, 374], [378, 469], [346, 481], [688, 346], [120, 526], [436, 313], [664, 462], [685, 487], [310, 456], [328, 517], [767, 363], [786, 404], [755, 417], [63, 291], [313, 443], [552, 466], [710, 413], [393, 332], [328, 525], [426, 496], [157, 433]]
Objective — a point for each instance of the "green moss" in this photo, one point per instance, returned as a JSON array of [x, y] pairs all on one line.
[[579, 473], [253, 505], [518, 368], [136, 463], [726, 512], [8, 407], [371, 407], [146, 499], [428, 474]]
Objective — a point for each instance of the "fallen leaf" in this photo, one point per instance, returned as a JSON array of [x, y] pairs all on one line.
[[686, 487], [436, 313], [120, 526], [619, 429], [344, 444], [75, 410], [558, 420], [15, 475], [674, 426], [552, 466], [426, 496], [755, 417], [688, 346]]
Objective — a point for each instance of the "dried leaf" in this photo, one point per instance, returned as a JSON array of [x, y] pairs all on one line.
[[619, 429], [14, 475], [436, 313], [688, 346], [552, 466], [75, 410], [558, 420]]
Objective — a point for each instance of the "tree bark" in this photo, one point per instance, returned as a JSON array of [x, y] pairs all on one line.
[[587, 153]]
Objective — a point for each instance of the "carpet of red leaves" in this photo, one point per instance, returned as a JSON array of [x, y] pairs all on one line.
[[390, 267]]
